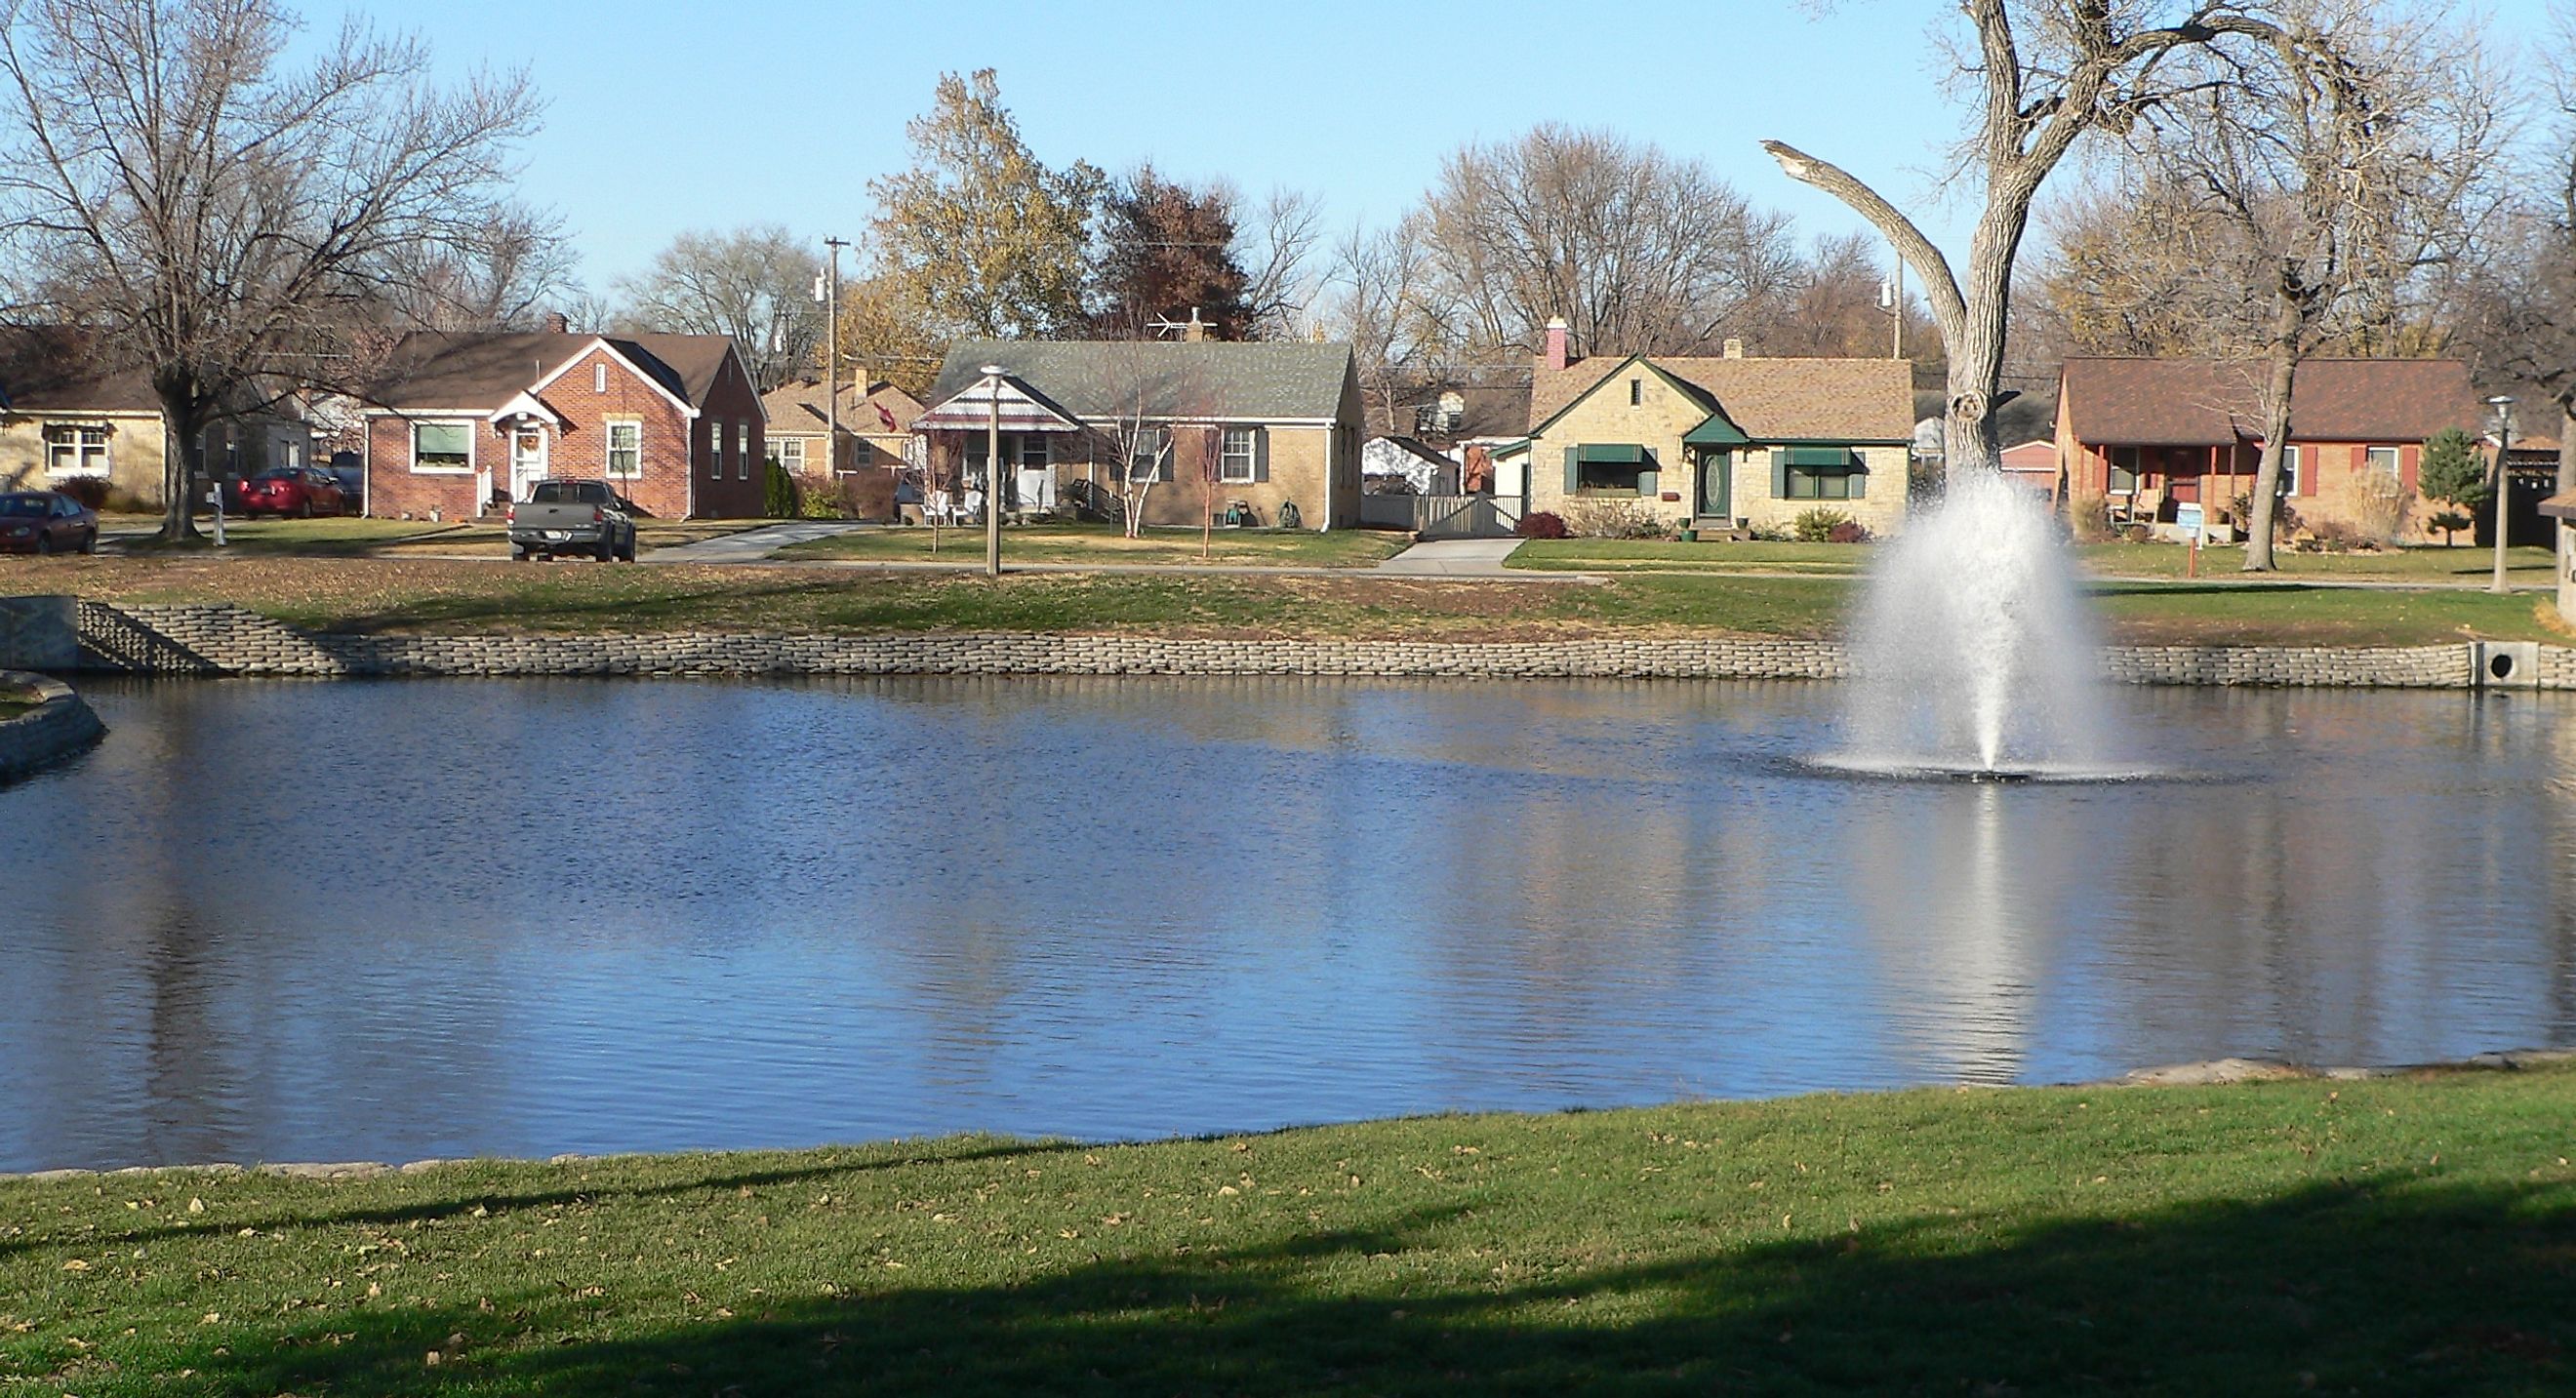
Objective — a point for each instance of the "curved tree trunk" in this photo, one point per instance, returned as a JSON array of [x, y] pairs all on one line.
[[2267, 475]]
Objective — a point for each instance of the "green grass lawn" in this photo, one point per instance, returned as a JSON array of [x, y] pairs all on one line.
[[1102, 543], [2404, 1235], [2530, 567], [348, 536], [1623, 555]]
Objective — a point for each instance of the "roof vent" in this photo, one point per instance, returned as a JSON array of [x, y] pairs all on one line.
[[1734, 348]]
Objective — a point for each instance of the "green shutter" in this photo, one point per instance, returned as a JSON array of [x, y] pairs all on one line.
[[1573, 470], [1649, 483], [1779, 474]]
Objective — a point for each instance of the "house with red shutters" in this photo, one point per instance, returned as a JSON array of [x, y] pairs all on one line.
[[458, 424], [2159, 441]]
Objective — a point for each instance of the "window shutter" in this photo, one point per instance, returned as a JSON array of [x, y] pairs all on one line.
[[1779, 473], [1649, 483], [1573, 472], [1260, 454], [1859, 477]]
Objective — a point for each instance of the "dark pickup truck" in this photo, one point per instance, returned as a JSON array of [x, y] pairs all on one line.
[[584, 517]]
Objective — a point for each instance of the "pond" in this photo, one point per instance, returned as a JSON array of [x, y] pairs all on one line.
[[437, 918]]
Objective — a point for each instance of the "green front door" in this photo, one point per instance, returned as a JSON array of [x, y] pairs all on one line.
[[1715, 471]]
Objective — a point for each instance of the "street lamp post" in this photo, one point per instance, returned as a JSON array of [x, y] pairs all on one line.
[[993, 475], [2503, 405]]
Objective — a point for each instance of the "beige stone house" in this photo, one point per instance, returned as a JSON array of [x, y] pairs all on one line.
[[1283, 418], [1730, 442], [63, 425], [875, 423]]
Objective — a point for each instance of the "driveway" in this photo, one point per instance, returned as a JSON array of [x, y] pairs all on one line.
[[753, 545], [1454, 558]]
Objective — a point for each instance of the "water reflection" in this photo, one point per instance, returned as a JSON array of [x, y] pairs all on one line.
[[398, 920]]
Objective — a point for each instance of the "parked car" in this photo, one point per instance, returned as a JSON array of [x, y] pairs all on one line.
[[45, 521], [302, 491], [584, 517]]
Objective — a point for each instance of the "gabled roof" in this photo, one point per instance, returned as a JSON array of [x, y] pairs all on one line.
[[2215, 402], [1260, 380], [1011, 404], [1413, 447], [1771, 400], [797, 408], [44, 369], [485, 369]]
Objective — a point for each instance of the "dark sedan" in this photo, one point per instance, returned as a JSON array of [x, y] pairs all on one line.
[[302, 491], [40, 521]]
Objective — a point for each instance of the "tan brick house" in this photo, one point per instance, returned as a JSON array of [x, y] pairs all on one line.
[[876, 427], [62, 424], [1285, 416], [460, 423], [1724, 442], [2154, 440]]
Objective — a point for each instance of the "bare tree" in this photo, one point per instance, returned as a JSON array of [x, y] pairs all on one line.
[[754, 284], [226, 222], [506, 281], [1383, 305], [1153, 399], [2335, 162], [1275, 245], [2043, 74], [1638, 250]]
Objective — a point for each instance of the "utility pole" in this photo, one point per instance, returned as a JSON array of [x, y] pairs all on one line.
[[993, 476], [2503, 405], [832, 363]]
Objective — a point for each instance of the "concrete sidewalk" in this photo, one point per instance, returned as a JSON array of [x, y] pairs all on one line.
[[1454, 558]]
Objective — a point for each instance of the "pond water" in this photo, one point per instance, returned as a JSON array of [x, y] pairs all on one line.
[[398, 920]]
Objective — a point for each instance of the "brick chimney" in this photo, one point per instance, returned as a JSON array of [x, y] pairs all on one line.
[[1734, 349], [558, 323], [1557, 357], [1196, 330]]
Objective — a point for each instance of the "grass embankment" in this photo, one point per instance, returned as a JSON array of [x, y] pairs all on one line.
[[1106, 544], [422, 595], [2396, 1235], [2527, 567]]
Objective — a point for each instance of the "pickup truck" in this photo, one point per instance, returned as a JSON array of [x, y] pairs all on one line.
[[584, 517]]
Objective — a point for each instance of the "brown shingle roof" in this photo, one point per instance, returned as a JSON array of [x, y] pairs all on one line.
[[797, 408], [2213, 402], [1773, 400], [485, 369], [43, 369]]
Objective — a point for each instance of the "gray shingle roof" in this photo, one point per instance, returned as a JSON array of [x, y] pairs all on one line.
[[1216, 378]]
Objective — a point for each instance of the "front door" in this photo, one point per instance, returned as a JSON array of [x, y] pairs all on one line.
[[1716, 471], [527, 460]]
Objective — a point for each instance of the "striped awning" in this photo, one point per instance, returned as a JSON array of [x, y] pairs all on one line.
[[1023, 409]]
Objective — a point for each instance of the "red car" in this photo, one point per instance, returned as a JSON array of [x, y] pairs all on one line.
[[42, 521], [300, 491]]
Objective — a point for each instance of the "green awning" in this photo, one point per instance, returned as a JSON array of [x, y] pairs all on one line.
[[1620, 453], [1716, 432], [1823, 456]]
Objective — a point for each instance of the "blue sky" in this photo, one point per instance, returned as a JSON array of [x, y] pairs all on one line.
[[666, 116]]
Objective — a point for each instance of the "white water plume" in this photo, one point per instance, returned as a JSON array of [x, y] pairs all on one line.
[[1972, 652]]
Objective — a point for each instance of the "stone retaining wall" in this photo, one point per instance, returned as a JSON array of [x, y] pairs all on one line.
[[225, 640], [57, 728]]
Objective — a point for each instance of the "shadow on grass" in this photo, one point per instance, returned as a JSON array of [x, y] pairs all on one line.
[[2406, 1285]]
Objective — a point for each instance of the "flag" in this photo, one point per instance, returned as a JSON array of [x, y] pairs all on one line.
[[886, 416]]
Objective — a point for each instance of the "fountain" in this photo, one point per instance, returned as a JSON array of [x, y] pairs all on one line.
[[1972, 654]]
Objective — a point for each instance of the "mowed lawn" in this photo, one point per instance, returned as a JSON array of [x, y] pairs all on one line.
[[1107, 544], [413, 595], [351, 536], [2526, 567], [2392, 1235]]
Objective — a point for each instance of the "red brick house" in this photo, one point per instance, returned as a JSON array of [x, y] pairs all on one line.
[[460, 423], [2148, 437]]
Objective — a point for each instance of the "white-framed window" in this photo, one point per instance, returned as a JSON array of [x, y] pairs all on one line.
[[2289, 470], [72, 450], [442, 448], [791, 453], [742, 451], [626, 449], [599, 378], [1033, 451], [1145, 454], [2382, 463], [715, 450], [1235, 455]]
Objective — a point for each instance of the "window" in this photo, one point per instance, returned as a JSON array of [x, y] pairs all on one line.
[[742, 451], [1822, 473], [1235, 456], [599, 378], [2382, 464], [2289, 482], [626, 449], [1033, 451], [715, 450], [76, 451], [791, 453], [1145, 454], [2124, 470], [1636, 392], [1615, 467], [442, 446]]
